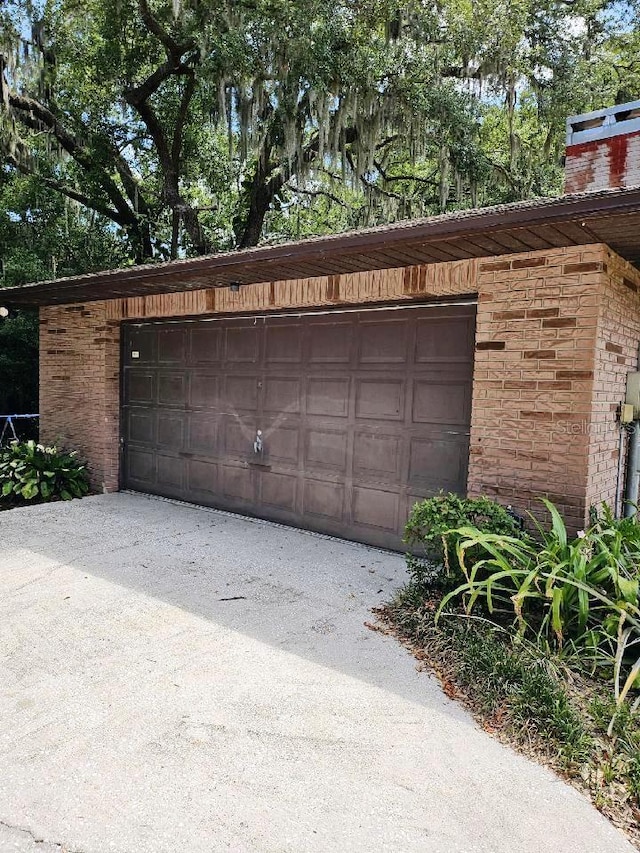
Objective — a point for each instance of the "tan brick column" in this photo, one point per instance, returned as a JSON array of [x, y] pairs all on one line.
[[533, 380], [80, 386]]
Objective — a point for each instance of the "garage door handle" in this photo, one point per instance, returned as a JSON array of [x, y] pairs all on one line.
[[257, 444], [454, 432]]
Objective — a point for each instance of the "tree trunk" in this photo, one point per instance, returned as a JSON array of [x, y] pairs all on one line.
[[254, 222]]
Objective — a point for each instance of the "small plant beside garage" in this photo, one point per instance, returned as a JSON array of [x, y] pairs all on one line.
[[539, 634], [33, 473], [431, 534]]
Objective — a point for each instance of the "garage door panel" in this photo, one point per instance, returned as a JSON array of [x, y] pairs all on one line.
[[172, 389], [240, 393], [328, 396], [241, 344], [326, 449], [282, 394], [202, 477], [384, 342], [283, 344], [141, 346], [171, 345], [377, 456], [170, 430], [239, 436], [140, 387], [324, 499], [204, 390], [141, 466], [205, 344], [281, 443], [445, 339], [169, 472], [278, 490], [439, 463], [378, 398], [238, 484], [361, 414], [441, 402], [141, 426], [375, 508], [203, 434], [330, 343]]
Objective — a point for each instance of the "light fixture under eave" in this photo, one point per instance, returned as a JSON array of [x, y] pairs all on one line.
[[4, 312], [234, 287]]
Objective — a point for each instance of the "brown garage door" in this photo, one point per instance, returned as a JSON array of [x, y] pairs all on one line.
[[336, 422]]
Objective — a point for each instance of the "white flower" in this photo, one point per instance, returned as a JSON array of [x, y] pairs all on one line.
[[581, 534]]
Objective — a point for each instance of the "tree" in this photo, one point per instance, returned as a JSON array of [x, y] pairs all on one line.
[[201, 124], [19, 365], [42, 235]]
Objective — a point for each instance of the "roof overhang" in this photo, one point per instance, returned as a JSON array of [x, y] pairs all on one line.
[[605, 216]]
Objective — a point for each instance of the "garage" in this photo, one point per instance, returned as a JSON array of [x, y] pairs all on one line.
[[334, 421]]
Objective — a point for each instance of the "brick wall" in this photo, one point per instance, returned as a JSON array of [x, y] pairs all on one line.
[[603, 164], [616, 355], [536, 334], [79, 386], [541, 351]]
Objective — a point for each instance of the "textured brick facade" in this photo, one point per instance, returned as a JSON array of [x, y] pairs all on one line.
[[616, 355], [79, 386], [603, 164], [536, 340], [556, 332]]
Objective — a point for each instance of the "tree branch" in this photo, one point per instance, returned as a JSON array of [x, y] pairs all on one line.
[[36, 116], [319, 193], [139, 94], [264, 189], [173, 48], [70, 192], [169, 153], [387, 178], [183, 111]]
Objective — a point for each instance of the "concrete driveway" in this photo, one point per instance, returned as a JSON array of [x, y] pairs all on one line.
[[175, 679]]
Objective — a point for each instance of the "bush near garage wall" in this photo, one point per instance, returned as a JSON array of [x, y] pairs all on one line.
[[33, 473], [540, 637], [431, 528]]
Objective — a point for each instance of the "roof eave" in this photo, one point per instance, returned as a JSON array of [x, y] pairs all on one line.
[[323, 254]]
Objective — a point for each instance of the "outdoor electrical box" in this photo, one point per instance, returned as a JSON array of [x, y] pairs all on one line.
[[633, 392], [626, 413]]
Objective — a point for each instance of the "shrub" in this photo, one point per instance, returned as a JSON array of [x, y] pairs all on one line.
[[577, 594], [431, 532], [32, 472], [506, 680], [531, 696]]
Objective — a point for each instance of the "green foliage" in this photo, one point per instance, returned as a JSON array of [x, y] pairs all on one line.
[[432, 530], [575, 595], [30, 472], [19, 363], [503, 679], [531, 695], [194, 124], [41, 236], [533, 637], [510, 678]]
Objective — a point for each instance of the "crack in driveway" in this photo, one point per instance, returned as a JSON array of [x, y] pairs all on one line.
[[37, 839]]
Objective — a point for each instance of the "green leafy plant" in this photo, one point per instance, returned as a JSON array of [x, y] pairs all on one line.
[[578, 594], [33, 472], [532, 696], [432, 533]]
